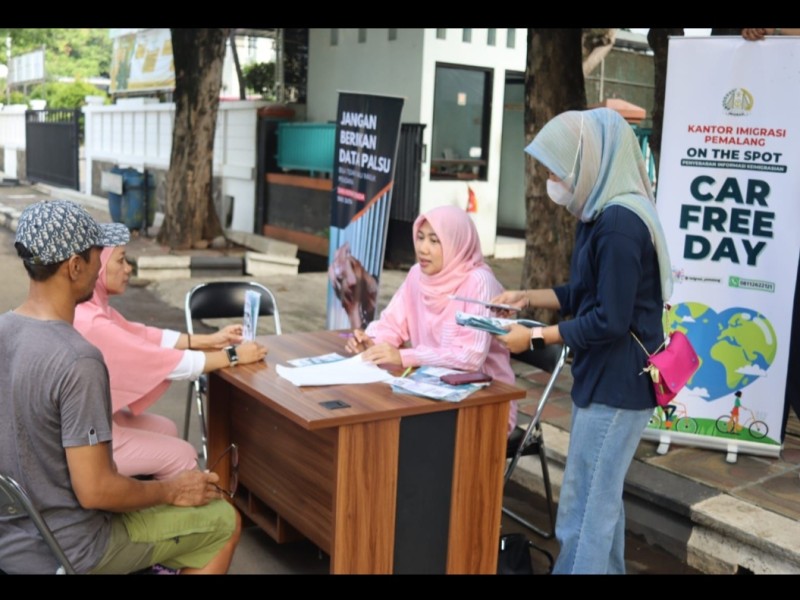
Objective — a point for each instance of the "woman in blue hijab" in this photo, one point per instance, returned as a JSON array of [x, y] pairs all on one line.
[[620, 276]]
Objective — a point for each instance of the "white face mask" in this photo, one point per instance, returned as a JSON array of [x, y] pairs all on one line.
[[558, 192]]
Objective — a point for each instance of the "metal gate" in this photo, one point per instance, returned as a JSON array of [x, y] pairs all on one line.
[[52, 140], [405, 196]]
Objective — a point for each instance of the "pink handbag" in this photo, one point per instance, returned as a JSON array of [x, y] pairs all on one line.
[[670, 366]]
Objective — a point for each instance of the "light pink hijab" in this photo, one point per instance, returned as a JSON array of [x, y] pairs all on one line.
[[461, 254], [137, 364]]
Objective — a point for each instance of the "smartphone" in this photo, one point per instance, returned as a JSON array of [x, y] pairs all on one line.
[[462, 378], [487, 304]]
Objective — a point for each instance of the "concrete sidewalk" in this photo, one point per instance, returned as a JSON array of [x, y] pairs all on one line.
[[715, 516]]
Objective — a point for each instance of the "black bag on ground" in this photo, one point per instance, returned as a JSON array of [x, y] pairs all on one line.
[[514, 555]]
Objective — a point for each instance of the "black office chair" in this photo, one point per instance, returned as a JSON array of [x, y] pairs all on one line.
[[14, 501], [219, 300], [530, 440]]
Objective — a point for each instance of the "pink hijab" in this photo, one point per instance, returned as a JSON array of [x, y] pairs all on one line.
[[461, 255], [137, 364]]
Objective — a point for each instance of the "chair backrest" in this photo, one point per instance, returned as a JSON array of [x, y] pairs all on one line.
[[225, 300], [14, 501], [545, 359], [551, 359]]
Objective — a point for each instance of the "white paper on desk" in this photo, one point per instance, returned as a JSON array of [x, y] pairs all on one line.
[[342, 372]]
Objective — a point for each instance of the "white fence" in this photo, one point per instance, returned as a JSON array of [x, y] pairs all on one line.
[[12, 136], [139, 135]]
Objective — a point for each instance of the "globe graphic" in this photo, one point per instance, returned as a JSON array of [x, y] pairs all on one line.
[[735, 346]]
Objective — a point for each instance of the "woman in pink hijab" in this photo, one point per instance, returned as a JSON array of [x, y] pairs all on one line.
[[142, 361], [418, 327]]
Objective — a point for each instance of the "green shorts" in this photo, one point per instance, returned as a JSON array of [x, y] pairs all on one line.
[[172, 536]]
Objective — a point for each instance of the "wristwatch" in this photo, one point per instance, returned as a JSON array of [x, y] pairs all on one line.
[[537, 339], [233, 358]]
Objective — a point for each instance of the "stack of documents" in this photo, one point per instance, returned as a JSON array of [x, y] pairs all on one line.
[[337, 372], [426, 382]]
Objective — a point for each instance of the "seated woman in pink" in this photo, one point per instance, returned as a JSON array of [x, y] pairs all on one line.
[[418, 327], [142, 361]]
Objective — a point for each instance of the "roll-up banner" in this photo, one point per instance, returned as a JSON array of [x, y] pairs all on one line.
[[367, 134], [727, 195]]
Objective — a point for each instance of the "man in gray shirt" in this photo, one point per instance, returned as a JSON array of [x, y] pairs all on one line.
[[55, 428]]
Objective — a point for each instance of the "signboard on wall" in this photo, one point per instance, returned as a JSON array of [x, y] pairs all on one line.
[[142, 61], [727, 198], [367, 133], [26, 68]]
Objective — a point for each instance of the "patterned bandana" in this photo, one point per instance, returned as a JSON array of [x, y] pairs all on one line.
[[54, 230]]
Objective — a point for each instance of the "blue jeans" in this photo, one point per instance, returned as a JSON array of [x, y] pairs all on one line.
[[590, 525]]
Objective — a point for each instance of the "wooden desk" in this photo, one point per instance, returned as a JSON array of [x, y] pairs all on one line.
[[393, 484]]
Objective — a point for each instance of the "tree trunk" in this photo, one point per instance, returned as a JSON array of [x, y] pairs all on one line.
[[553, 84], [659, 42], [190, 215]]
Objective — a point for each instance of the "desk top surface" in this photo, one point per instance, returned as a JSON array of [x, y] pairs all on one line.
[[368, 402]]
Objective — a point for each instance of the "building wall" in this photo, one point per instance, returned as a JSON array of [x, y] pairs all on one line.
[[498, 58], [376, 66], [407, 67]]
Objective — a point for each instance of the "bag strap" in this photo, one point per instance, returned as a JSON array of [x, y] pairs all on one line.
[[641, 345], [657, 350], [649, 368], [652, 369]]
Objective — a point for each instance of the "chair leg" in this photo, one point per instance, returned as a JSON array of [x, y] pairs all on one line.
[[201, 415], [188, 415], [548, 491]]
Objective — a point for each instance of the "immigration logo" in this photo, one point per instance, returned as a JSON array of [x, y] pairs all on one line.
[[738, 102]]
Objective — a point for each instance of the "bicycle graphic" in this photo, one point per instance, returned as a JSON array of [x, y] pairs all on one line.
[[664, 417], [758, 429]]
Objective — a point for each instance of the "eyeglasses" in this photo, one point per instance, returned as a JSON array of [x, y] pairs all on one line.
[[233, 479]]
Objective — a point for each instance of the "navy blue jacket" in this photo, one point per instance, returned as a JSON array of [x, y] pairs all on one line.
[[614, 286]]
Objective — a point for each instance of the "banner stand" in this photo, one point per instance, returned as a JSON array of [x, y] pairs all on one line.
[[367, 135], [727, 199], [732, 449]]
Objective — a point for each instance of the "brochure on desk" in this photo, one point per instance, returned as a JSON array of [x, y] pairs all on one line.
[[494, 325], [426, 382]]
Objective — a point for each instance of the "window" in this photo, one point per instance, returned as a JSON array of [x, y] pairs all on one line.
[[466, 36], [441, 34], [392, 34], [511, 39], [334, 37], [491, 37], [362, 35], [461, 113]]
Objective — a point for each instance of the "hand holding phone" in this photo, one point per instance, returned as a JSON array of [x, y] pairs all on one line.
[[464, 378]]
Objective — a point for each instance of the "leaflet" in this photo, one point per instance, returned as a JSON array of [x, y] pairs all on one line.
[[494, 325], [316, 360], [426, 382], [252, 306]]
